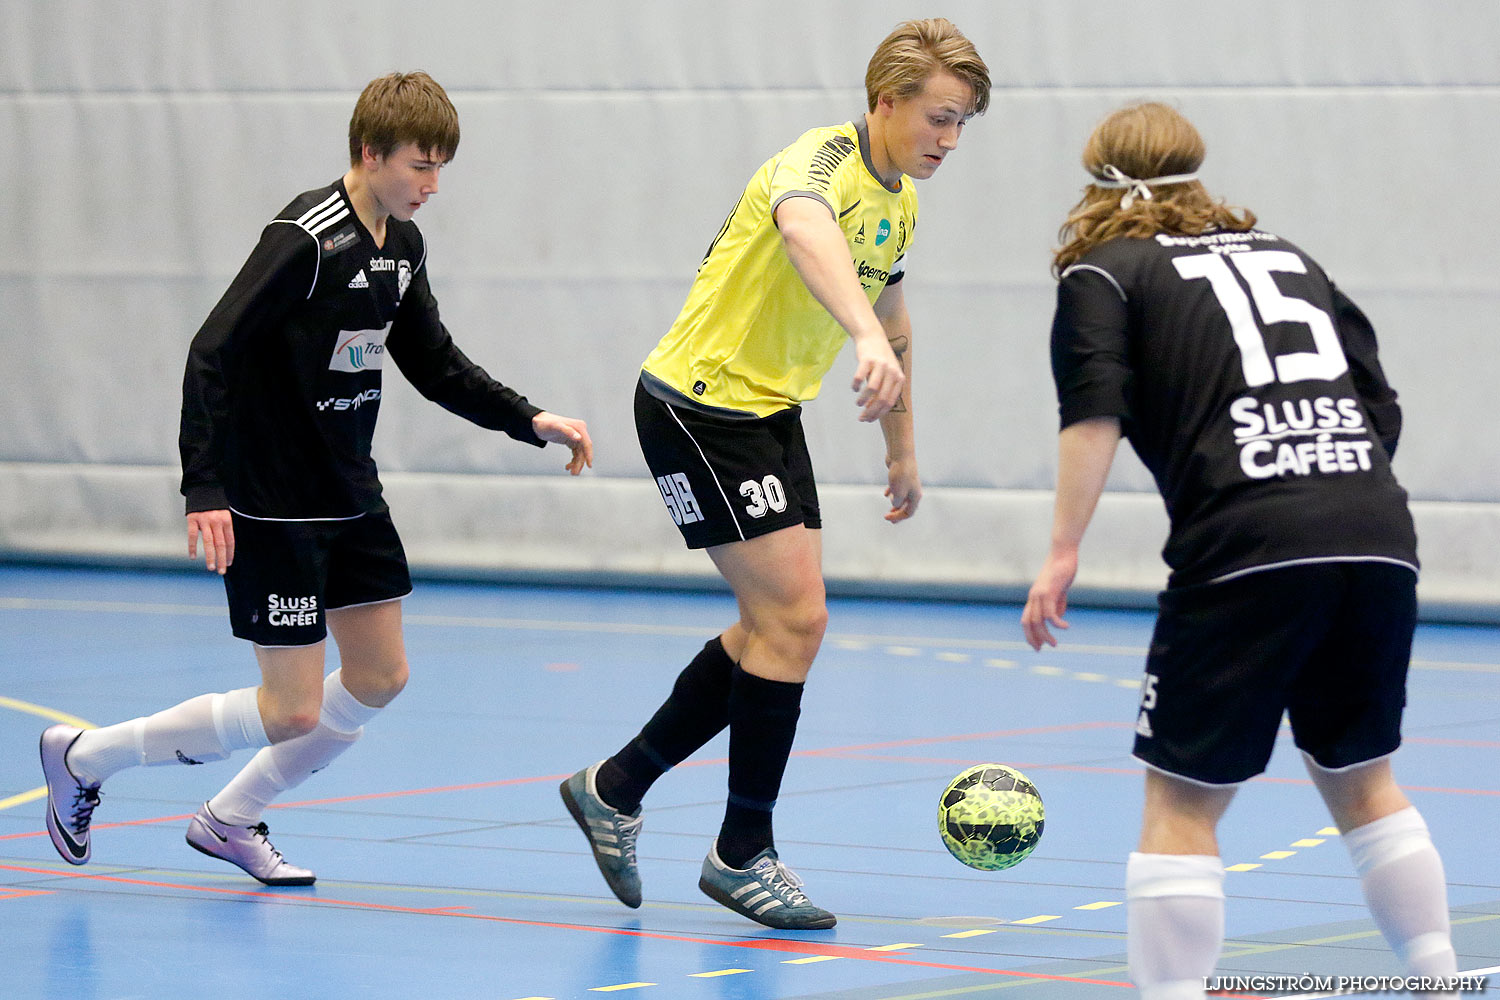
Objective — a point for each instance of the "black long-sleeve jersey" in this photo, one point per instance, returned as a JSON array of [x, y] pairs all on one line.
[[1249, 386], [283, 379]]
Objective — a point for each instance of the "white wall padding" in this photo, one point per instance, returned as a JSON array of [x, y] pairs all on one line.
[[975, 543], [602, 146]]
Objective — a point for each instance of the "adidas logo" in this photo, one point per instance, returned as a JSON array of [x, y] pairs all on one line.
[[359, 280]]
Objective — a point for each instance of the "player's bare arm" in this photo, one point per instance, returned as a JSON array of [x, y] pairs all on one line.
[[817, 249], [903, 485], [569, 431], [1085, 452]]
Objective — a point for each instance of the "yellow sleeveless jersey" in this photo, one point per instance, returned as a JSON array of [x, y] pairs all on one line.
[[751, 338]]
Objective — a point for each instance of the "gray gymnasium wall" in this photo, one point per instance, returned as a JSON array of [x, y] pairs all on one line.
[[148, 142]]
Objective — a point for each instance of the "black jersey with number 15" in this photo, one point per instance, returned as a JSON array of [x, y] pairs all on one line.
[[1249, 386]]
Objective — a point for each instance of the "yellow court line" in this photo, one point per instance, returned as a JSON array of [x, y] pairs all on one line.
[[969, 934], [811, 959], [44, 712], [720, 972], [23, 798], [622, 986]]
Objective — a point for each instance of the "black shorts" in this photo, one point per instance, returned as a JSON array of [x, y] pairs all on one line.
[[287, 574], [726, 479], [1326, 643]]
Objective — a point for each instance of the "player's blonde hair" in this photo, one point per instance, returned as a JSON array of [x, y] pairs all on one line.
[[1143, 141], [399, 108], [917, 49]]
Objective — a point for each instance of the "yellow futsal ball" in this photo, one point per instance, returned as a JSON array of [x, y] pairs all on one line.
[[990, 817]]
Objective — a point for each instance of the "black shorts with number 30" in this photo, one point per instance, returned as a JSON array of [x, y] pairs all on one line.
[[727, 478], [1325, 643]]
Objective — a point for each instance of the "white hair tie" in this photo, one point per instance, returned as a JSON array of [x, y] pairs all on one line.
[[1114, 177]]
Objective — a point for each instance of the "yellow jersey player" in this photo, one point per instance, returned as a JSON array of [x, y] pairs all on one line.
[[814, 252]]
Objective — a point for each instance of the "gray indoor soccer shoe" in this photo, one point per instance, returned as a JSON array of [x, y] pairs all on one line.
[[245, 846], [767, 892], [70, 803], [611, 834]]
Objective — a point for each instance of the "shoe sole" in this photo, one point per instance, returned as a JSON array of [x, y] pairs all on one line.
[[576, 811], [298, 880], [723, 898]]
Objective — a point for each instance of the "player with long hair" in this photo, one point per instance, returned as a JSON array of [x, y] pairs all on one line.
[[1250, 387]]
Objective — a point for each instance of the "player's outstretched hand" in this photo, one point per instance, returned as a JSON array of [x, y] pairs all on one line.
[[217, 530], [1048, 600], [569, 431], [904, 488]]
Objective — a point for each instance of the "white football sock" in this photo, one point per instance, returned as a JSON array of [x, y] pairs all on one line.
[[1402, 876], [1174, 922], [208, 727], [286, 765]]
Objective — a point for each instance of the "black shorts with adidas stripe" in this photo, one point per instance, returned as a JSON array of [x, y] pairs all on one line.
[[726, 478], [1325, 643]]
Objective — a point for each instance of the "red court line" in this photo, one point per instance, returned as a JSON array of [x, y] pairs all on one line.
[[757, 944], [474, 786], [1445, 742], [20, 893], [967, 737], [852, 752]]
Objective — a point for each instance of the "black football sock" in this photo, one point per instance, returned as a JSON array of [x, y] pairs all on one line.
[[762, 724], [695, 712]]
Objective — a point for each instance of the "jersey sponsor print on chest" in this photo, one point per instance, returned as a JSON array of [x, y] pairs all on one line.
[[359, 350]]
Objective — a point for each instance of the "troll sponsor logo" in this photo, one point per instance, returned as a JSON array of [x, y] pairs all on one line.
[[359, 350]]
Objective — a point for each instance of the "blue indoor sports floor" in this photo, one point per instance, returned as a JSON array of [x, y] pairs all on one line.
[[448, 866]]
